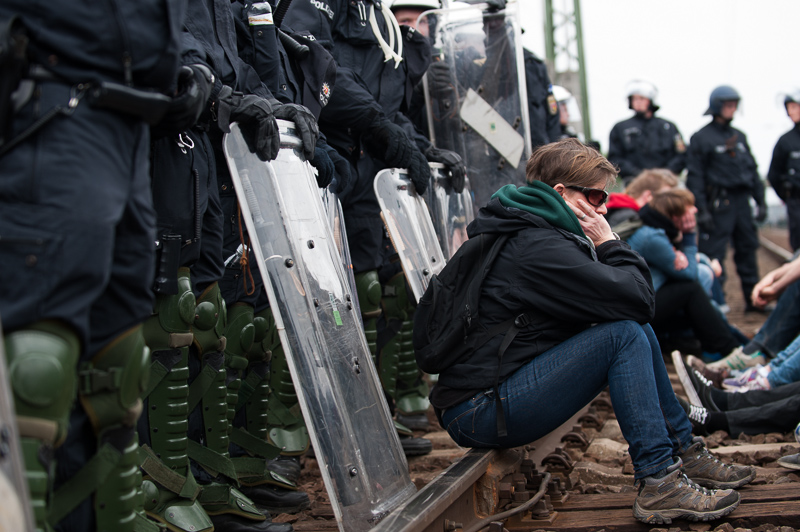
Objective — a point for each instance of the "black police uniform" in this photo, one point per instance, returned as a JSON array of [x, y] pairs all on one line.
[[76, 216], [784, 176], [542, 107], [639, 143], [722, 175], [366, 86]]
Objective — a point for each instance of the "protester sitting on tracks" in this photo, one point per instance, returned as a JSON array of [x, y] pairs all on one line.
[[588, 298], [623, 207], [681, 301], [756, 412]]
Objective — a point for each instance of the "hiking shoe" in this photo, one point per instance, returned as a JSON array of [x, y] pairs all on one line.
[[696, 386], [697, 416], [707, 470], [674, 496], [738, 360], [791, 461], [716, 376]]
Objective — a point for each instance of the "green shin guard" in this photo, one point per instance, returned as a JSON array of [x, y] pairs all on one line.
[[397, 366], [286, 427], [109, 389], [169, 487], [41, 366], [368, 288]]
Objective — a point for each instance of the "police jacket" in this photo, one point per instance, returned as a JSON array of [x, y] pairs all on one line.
[[784, 170], [367, 83], [640, 143], [560, 278], [542, 107], [135, 43], [719, 161]]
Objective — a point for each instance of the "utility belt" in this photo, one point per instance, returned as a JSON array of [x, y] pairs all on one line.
[[147, 106]]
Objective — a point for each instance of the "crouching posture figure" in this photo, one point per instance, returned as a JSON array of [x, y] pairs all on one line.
[[587, 298]]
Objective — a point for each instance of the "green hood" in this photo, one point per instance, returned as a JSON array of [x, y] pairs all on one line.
[[541, 200]]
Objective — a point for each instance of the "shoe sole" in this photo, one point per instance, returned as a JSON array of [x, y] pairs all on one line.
[[686, 381], [659, 517], [788, 465]]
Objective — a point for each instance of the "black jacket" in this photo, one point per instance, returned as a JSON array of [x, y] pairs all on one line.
[[720, 158], [784, 171], [640, 143], [542, 107], [561, 278]]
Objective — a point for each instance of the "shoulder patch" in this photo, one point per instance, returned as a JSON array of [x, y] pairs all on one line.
[[552, 104], [680, 146]]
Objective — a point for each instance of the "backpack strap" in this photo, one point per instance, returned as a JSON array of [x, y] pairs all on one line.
[[513, 327]]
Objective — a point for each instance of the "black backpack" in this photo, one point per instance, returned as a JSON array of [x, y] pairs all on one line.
[[446, 319]]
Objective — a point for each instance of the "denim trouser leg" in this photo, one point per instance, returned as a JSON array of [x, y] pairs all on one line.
[[786, 366], [782, 325], [549, 389]]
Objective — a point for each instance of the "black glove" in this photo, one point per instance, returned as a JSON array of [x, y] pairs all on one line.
[[325, 169], [342, 169], [304, 122], [440, 77], [705, 221], [390, 143], [761, 212], [256, 120], [194, 86], [496, 5], [452, 163], [419, 172]]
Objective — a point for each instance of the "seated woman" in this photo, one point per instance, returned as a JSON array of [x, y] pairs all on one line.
[[589, 299], [681, 302]]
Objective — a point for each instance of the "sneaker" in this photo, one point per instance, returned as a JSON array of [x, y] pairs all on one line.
[[697, 416], [791, 461], [716, 376], [738, 360], [707, 470], [697, 387], [674, 496], [751, 379]]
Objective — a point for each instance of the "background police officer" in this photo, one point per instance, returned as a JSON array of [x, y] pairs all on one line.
[[722, 175], [784, 170], [645, 140]]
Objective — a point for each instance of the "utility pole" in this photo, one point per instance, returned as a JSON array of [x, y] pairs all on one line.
[[566, 61]]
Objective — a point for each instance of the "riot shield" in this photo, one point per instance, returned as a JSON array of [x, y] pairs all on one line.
[[451, 212], [15, 511], [482, 113], [333, 209], [356, 445], [410, 228]]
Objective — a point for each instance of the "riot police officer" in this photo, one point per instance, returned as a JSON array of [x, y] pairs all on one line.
[[784, 170], [77, 256], [645, 140], [723, 176]]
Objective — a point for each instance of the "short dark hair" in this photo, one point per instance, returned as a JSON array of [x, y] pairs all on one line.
[[672, 202], [569, 162]]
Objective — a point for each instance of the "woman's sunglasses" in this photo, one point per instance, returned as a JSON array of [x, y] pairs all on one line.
[[595, 196]]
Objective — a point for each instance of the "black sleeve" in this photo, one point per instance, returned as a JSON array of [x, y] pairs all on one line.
[[777, 169], [618, 155], [696, 176]]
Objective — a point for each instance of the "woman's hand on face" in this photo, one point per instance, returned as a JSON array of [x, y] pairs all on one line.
[[681, 261], [593, 224], [688, 222]]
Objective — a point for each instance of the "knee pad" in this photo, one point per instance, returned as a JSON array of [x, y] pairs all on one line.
[[41, 366], [210, 319], [110, 386], [170, 326]]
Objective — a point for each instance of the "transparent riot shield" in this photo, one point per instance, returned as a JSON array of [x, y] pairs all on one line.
[[333, 209], [356, 445], [410, 228], [451, 212], [482, 112], [15, 511]]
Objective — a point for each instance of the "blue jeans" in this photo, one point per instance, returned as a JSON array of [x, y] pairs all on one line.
[[782, 325], [786, 365], [552, 387]]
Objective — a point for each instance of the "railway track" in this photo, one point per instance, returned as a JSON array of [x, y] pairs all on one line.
[[578, 478]]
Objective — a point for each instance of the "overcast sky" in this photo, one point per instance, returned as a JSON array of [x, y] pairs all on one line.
[[687, 48]]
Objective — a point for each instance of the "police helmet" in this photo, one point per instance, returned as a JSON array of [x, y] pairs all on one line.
[[561, 94], [645, 89], [793, 96], [420, 4], [565, 97], [723, 93]]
